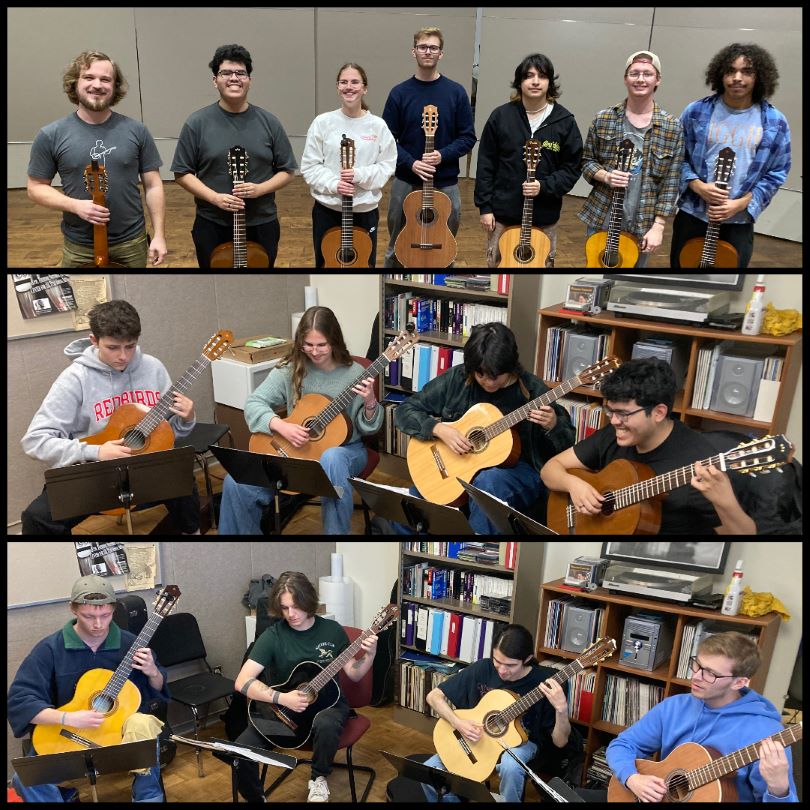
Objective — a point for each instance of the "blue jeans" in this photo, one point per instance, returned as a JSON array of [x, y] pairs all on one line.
[[512, 776], [243, 504]]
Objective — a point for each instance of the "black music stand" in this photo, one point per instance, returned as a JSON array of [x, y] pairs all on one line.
[[89, 763], [84, 489], [508, 520], [443, 782], [275, 473], [422, 516], [556, 788]]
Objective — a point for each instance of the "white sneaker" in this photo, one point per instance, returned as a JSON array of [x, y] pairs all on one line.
[[318, 790]]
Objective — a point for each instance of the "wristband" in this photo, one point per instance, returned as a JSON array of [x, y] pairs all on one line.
[[64, 718], [246, 687]]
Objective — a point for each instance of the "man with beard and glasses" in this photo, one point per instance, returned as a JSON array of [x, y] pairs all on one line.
[[126, 151]]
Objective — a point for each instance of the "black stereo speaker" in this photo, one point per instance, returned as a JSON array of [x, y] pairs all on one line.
[[580, 351], [736, 385], [578, 628]]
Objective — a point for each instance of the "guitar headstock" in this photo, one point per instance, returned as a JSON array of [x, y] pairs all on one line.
[[237, 163], [430, 120], [600, 650], [400, 344], [724, 167], [95, 178], [167, 600], [624, 157], [762, 455], [346, 153], [531, 155], [217, 344], [598, 371], [387, 616]]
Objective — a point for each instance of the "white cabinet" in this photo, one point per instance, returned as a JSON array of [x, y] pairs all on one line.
[[235, 381]]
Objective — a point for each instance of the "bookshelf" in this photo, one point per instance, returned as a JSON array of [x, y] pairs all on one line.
[[525, 577], [617, 607]]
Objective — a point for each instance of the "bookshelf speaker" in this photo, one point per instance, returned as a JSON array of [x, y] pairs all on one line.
[[737, 385], [580, 352], [578, 628]]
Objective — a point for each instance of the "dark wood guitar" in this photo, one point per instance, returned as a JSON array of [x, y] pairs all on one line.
[[426, 240], [320, 684], [633, 492], [95, 179], [614, 247], [240, 252], [346, 246], [498, 713], [524, 245], [109, 693], [435, 468], [697, 773], [709, 250], [319, 413]]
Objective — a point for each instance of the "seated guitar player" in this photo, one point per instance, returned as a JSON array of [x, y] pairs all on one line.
[[638, 398]]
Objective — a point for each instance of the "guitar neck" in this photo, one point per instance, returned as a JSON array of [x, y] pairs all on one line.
[[427, 185], [239, 239], [330, 671], [615, 225], [346, 221], [526, 217], [709, 253], [101, 248], [522, 705]]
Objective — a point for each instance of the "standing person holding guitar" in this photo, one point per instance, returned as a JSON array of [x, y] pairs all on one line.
[[739, 116], [349, 135], [501, 185], [126, 152], [200, 162], [47, 679], [455, 135]]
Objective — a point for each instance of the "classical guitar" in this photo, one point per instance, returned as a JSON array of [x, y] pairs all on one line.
[[697, 773], [319, 413], [240, 252], [346, 246], [633, 492], [109, 693], [708, 250], [614, 247], [523, 245], [426, 240], [498, 713], [320, 685], [435, 468], [95, 179]]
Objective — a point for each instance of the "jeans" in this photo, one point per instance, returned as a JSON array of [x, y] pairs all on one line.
[[643, 258], [243, 504], [132, 253]]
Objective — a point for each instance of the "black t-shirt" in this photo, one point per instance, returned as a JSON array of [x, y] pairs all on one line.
[[684, 510]]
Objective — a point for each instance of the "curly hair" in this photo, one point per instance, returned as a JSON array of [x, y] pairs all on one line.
[[767, 76], [115, 319], [83, 61], [542, 64], [649, 381], [231, 53]]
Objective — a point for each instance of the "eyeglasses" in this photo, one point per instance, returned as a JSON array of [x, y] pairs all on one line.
[[226, 74], [707, 674], [428, 48], [635, 75], [350, 82], [622, 416]]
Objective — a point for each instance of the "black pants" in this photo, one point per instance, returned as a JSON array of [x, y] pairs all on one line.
[[37, 518], [324, 218], [686, 227], [326, 732], [208, 235]]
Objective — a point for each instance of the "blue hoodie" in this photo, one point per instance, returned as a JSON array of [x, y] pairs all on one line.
[[684, 718]]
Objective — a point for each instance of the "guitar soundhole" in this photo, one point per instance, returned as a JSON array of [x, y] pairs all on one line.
[[478, 439], [314, 432], [311, 694], [427, 216], [524, 253], [135, 439], [347, 256], [610, 259], [494, 725], [608, 504], [102, 703], [678, 787]]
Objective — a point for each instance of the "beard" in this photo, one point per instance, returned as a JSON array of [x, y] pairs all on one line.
[[95, 103]]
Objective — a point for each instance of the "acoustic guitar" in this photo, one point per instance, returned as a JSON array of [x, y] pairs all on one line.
[[95, 179], [240, 252], [709, 250], [426, 240], [435, 468], [614, 247], [633, 492], [697, 773], [109, 693], [498, 713], [320, 684], [525, 246], [319, 413], [346, 246]]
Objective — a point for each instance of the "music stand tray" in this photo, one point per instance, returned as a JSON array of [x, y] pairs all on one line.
[[443, 782], [422, 516], [508, 520]]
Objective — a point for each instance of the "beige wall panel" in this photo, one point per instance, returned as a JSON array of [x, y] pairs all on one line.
[[611, 14], [777, 18]]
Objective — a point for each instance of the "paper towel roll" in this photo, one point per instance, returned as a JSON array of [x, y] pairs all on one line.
[[337, 567], [339, 598], [295, 319], [310, 297]]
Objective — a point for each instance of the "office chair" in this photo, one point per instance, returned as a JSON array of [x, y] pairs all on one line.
[[178, 641]]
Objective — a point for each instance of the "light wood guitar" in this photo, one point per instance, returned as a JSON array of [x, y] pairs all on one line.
[[523, 245], [95, 179], [709, 250], [319, 413], [426, 240], [109, 693], [435, 468], [498, 713], [697, 773], [633, 492], [614, 247], [346, 246]]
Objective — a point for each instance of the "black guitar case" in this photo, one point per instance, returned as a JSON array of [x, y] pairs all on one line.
[[384, 667]]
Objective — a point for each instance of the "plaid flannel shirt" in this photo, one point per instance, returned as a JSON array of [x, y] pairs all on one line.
[[661, 166]]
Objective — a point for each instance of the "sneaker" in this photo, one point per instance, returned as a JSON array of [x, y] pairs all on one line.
[[318, 790]]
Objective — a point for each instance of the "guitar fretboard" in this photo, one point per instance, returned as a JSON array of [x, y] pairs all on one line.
[[526, 217], [239, 240], [709, 252], [528, 700], [427, 185], [330, 671], [611, 255]]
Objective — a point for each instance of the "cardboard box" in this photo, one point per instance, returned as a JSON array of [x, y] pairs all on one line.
[[245, 354]]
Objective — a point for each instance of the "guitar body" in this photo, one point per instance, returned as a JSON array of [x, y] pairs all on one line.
[[433, 466], [332, 249], [223, 255], [595, 250], [428, 227], [512, 253], [686, 757], [124, 422], [639, 518], [692, 252], [480, 760], [306, 409], [52, 739], [105, 264]]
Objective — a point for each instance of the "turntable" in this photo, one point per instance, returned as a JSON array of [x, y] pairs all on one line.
[[671, 585], [667, 305]]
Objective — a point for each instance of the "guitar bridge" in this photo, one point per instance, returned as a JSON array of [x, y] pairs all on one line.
[[279, 449], [465, 746], [427, 245], [85, 743], [437, 457], [283, 717]]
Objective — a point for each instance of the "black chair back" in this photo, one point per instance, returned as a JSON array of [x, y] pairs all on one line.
[[178, 640]]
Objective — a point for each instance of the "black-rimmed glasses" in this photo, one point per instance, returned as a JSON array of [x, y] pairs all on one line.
[[707, 674]]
